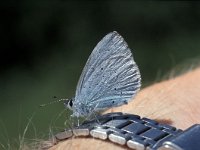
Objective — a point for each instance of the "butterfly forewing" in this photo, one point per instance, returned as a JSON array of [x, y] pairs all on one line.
[[110, 77]]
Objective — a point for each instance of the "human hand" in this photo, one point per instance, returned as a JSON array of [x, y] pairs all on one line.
[[175, 102]]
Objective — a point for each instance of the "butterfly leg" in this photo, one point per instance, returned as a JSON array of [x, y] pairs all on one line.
[[95, 116]]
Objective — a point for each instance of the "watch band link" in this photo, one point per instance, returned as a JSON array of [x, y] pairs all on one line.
[[129, 130]]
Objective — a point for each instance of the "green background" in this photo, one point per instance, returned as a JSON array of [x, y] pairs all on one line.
[[44, 46]]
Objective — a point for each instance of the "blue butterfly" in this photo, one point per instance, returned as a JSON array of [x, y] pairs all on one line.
[[109, 79]]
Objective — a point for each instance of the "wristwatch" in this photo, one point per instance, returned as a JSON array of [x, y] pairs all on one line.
[[135, 133]]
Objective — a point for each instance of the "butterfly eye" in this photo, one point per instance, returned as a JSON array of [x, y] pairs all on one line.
[[70, 103]]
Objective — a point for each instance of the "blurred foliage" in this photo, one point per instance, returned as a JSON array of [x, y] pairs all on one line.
[[45, 44]]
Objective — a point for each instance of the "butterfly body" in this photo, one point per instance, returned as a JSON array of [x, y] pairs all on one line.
[[110, 77]]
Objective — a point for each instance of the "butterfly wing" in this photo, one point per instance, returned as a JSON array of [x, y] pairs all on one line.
[[110, 77]]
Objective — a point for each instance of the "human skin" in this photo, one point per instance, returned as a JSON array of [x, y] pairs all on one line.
[[175, 102]]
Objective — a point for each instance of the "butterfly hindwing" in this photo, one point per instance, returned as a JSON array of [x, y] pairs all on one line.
[[110, 77]]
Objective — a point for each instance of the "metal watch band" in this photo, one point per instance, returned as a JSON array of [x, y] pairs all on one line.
[[136, 133]]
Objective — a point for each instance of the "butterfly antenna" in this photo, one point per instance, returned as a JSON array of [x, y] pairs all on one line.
[[56, 101]]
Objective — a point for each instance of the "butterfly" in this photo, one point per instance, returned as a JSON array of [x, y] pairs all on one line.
[[109, 79]]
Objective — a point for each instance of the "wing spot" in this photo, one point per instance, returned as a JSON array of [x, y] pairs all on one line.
[[113, 102], [101, 68], [115, 89]]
